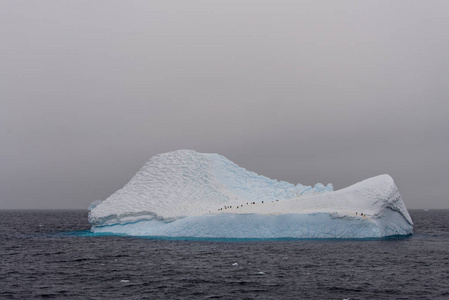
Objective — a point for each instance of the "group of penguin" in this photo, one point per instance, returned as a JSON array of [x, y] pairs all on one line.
[[241, 205]]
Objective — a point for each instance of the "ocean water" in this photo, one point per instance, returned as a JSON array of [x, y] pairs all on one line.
[[52, 254]]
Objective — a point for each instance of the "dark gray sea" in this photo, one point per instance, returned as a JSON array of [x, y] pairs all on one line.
[[52, 254]]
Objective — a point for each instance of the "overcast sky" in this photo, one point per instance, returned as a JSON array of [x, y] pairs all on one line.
[[302, 91]]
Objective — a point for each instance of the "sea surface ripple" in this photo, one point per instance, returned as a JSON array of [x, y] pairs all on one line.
[[52, 254]]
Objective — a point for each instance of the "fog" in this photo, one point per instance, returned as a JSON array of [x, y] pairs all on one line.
[[307, 92]]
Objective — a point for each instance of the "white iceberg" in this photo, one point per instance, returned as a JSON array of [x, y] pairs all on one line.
[[189, 194]]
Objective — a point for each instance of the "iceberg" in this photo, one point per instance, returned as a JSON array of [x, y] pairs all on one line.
[[189, 194]]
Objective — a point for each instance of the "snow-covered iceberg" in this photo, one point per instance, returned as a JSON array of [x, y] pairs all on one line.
[[189, 194]]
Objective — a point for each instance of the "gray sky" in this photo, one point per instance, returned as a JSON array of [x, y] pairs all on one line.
[[302, 91]]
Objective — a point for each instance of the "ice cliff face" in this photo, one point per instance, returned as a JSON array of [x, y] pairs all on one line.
[[186, 193]]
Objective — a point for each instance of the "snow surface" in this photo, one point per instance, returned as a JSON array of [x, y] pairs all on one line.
[[189, 194]]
